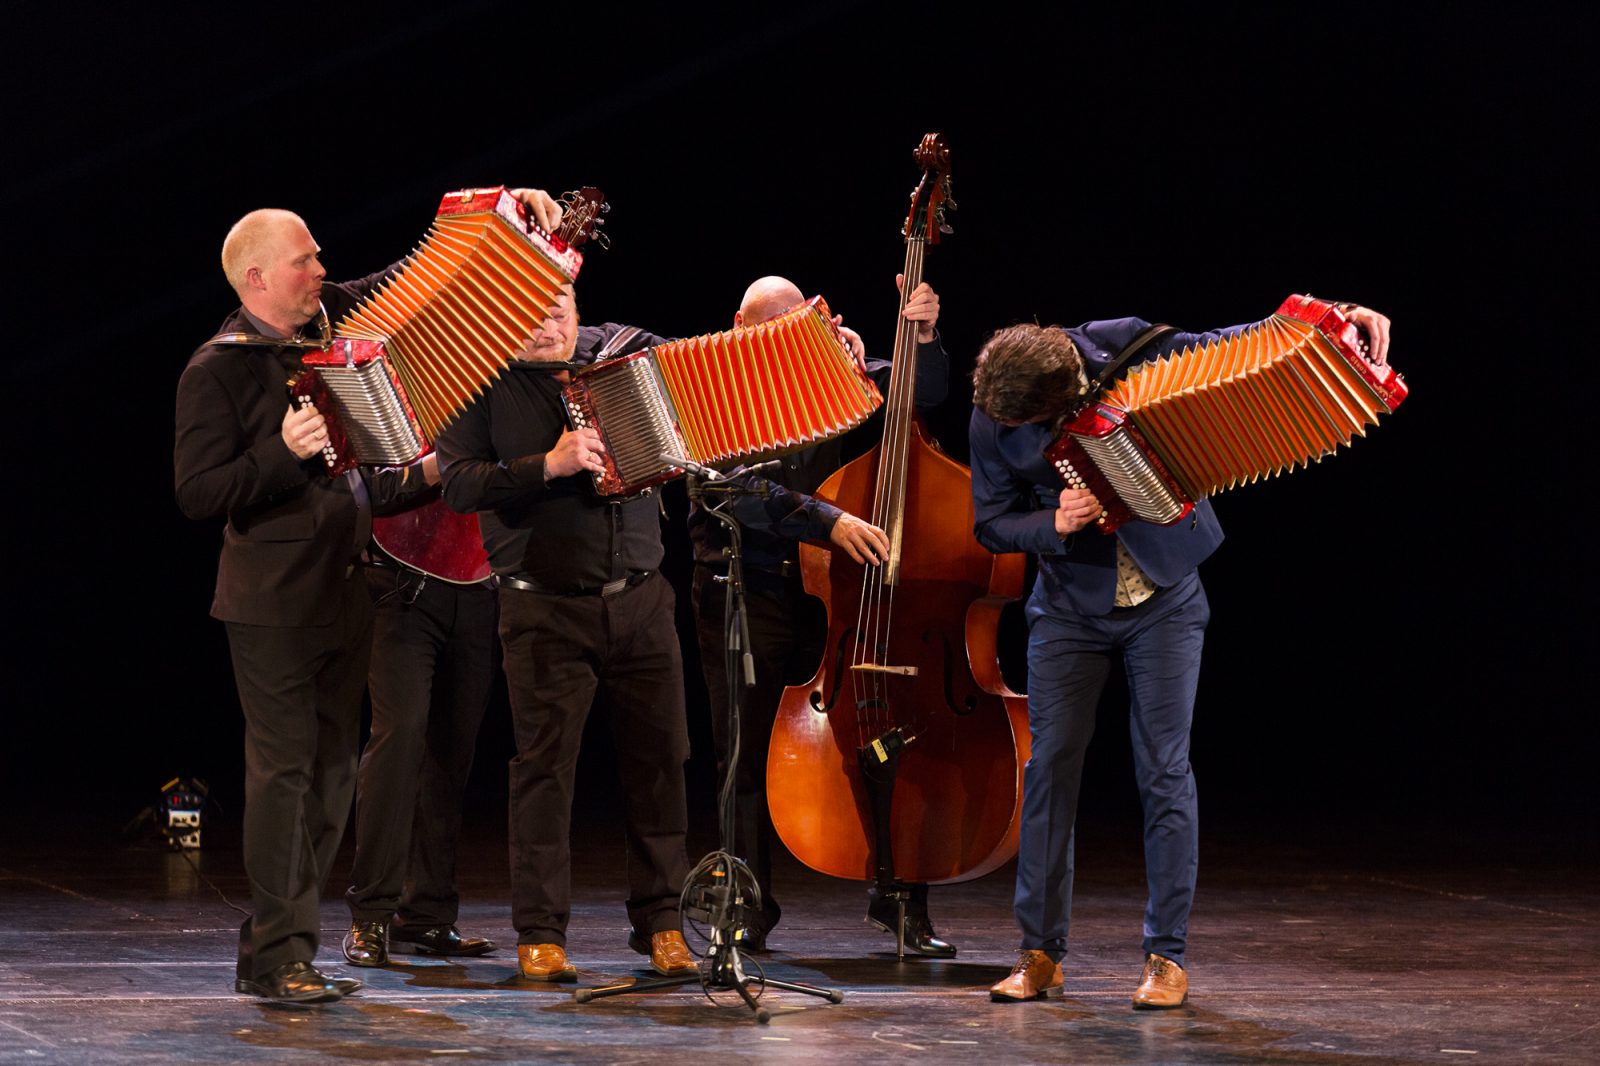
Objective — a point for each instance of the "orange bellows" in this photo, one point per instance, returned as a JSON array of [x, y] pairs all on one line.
[[1275, 396], [745, 393], [452, 318], [1254, 405]]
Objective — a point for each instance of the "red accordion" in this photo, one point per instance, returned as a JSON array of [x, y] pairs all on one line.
[[410, 356], [1280, 394], [749, 392]]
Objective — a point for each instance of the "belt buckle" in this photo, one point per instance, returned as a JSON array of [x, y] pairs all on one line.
[[611, 588]]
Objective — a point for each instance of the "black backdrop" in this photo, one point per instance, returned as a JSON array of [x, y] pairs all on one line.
[[1396, 633]]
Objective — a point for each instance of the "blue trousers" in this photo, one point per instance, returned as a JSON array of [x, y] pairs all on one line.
[[1069, 658]]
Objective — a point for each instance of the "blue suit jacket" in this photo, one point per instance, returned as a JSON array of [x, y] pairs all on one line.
[[1015, 491]]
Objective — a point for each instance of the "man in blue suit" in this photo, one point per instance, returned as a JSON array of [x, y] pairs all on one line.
[[1138, 593]]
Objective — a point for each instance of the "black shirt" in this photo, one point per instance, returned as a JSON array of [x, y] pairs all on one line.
[[563, 536]]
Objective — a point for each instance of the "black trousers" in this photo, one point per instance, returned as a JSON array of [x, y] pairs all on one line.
[[300, 689], [431, 673], [787, 629], [562, 655]]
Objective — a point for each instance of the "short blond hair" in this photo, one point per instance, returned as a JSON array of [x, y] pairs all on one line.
[[249, 241]]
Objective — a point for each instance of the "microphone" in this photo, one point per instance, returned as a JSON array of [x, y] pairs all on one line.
[[702, 471], [690, 465], [717, 482]]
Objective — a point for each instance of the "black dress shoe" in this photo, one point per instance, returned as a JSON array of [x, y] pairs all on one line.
[[294, 982], [436, 940], [366, 944], [920, 937]]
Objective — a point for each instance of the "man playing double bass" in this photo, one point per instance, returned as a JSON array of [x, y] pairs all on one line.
[[786, 626]]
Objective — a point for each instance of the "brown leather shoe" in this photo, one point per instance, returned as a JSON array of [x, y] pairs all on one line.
[[545, 962], [669, 955], [1035, 976], [1163, 986]]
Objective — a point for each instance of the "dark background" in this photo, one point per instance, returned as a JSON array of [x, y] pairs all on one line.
[[1396, 634]]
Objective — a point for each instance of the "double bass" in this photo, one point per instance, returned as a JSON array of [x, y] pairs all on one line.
[[901, 759]]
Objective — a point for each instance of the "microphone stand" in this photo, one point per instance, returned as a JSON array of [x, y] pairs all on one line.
[[722, 885]]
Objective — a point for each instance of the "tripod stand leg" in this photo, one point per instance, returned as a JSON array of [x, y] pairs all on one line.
[[832, 995], [584, 995], [762, 1014]]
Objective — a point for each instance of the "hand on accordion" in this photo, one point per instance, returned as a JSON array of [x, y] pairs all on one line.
[[577, 450], [1376, 327], [853, 341], [304, 431], [546, 209], [1078, 508]]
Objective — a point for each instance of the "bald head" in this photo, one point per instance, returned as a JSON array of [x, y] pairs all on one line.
[[270, 259], [254, 241], [768, 298]]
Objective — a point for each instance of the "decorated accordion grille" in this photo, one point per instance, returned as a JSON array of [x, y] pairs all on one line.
[[451, 319], [1279, 395], [748, 392]]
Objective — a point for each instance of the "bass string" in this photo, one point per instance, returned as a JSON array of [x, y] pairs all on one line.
[[874, 714]]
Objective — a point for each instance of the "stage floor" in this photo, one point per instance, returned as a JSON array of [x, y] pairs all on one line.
[[1375, 951]]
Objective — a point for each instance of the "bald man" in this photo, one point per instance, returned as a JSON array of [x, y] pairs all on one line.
[[289, 586], [787, 626]]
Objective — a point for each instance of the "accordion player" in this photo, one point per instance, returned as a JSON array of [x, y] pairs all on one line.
[[409, 357], [745, 393], [402, 363], [1254, 404]]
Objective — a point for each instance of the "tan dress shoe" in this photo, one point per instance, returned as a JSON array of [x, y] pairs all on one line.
[[545, 962], [1163, 986], [669, 955], [1035, 976]]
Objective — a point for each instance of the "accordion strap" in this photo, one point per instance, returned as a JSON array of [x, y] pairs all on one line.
[[323, 339], [261, 340], [1146, 337]]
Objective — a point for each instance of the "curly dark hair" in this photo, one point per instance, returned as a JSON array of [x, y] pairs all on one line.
[[1027, 373]]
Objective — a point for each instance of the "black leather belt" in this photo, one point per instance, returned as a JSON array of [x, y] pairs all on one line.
[[610, 588]]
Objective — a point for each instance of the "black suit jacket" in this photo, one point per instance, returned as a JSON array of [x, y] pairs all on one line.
[[290, 536]]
